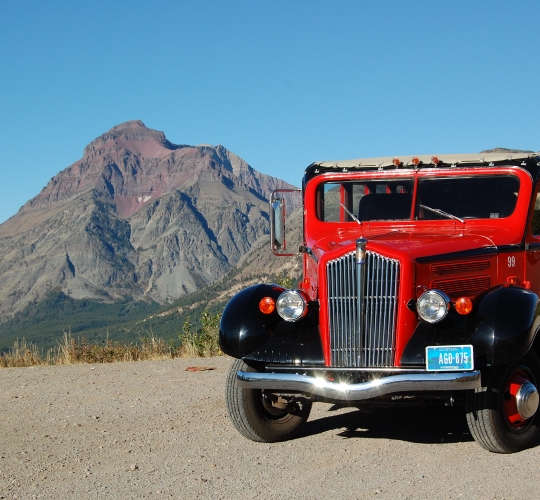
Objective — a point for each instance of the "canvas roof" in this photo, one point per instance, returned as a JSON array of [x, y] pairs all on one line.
[[447, 159]]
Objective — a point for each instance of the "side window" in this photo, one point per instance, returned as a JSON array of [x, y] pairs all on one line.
[[535, 225], [331, 199]]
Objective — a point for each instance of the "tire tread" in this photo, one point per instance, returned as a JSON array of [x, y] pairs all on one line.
[[480, 421], [248, 416], [235, 403]]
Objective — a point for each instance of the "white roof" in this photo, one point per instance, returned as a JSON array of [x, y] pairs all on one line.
[[448, 159]]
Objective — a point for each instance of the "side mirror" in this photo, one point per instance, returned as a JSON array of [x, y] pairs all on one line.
[[277, 227], [277, 221]]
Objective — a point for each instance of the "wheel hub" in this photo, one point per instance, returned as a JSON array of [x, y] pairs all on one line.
[[521, 398], [527, 400]]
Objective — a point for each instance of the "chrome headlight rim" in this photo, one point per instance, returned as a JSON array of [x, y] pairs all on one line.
[[437, 301], [291, 305]]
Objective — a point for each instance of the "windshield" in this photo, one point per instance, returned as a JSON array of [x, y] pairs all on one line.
[[480, 197], [477, 197]]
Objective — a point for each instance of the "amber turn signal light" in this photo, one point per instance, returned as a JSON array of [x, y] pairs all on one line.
[[463, 305], [267, 305]]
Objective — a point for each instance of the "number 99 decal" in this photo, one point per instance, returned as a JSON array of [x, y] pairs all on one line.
[[511, 261]]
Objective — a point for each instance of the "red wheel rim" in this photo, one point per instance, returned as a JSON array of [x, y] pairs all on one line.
[[514, 382]]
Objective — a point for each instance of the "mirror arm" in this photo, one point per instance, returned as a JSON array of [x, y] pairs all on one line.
[[309, 251]]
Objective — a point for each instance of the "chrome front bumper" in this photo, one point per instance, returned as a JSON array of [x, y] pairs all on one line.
[[407, 382]]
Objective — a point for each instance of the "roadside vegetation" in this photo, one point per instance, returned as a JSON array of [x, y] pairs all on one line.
[[197, 339], [196, 335]]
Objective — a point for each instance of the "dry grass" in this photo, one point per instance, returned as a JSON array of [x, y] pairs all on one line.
[[23, 354], [70, 351], [201, 342]]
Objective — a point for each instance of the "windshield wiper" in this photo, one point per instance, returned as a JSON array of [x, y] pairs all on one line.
[[443, 213], [351, 214], [347, 210]]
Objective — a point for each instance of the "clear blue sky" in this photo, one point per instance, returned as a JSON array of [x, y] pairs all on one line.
[[280, 83]]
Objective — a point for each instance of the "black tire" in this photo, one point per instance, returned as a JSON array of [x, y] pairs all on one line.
[[254, 417], [490, 421]]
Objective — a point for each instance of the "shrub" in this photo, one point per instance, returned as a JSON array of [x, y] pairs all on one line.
[[203, 342]]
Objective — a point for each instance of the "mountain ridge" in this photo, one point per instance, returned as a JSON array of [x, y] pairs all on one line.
[[137, 216]]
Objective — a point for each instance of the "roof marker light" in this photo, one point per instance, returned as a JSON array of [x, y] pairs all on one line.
[[435, 160], [396, 161], [415, 160]]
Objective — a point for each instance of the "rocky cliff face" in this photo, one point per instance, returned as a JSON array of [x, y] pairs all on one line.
[[136, 216]]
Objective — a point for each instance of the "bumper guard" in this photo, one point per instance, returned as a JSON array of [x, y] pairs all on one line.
[[407, 382]]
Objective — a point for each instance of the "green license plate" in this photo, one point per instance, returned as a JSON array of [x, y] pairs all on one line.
[[449, 358]]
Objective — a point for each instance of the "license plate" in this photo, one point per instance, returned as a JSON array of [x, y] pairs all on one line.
[[449, 358]]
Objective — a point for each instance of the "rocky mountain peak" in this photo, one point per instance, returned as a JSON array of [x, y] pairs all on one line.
[[132, 136], [132, 165]]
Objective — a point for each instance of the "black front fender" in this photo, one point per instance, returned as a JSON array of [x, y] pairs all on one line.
[[243, 327], [505, 323]]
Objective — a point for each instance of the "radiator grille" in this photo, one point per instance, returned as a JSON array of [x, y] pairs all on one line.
[[376, 319]]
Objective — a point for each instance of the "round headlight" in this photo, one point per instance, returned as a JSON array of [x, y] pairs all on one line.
[[433, 306], [291, 305]]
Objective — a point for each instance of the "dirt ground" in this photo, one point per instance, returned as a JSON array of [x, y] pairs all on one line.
[[154, 430]]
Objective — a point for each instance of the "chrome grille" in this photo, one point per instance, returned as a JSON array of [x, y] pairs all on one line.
[[376, 319]]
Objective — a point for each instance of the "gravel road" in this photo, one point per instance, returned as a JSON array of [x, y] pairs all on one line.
[[154, 430]]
